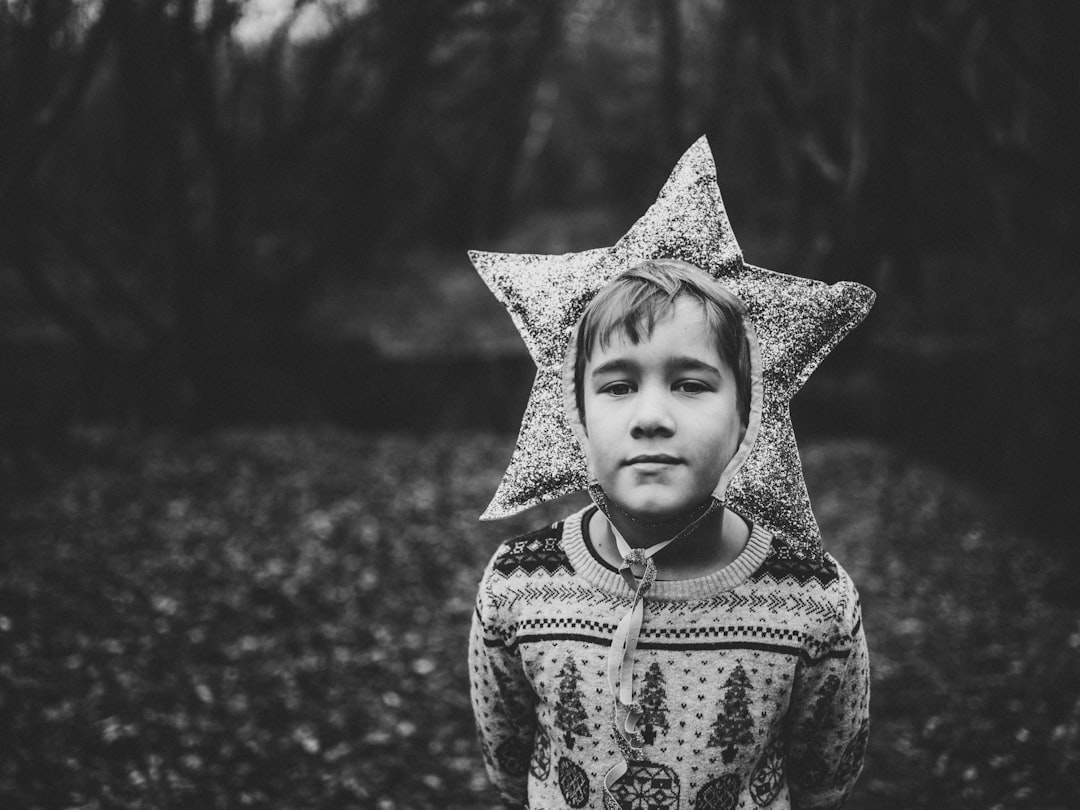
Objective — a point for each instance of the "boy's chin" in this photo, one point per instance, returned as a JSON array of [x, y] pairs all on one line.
[[655, 510]]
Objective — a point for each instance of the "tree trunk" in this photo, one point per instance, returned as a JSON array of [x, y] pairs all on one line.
[[670, 85]]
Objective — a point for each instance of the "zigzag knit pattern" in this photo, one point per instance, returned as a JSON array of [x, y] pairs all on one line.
[[754, 682]]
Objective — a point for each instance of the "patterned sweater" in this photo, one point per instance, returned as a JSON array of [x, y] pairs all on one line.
[[753, 680]]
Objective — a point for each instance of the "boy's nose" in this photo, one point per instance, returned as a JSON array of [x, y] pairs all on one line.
[[652, 417]]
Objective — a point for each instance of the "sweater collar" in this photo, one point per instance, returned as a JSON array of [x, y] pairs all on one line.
[[604, 576]]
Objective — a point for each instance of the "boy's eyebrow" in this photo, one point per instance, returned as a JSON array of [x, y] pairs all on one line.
[[693, 364], [619, 365], [616, 366]]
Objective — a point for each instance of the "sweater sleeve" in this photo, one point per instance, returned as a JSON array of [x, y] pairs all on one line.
[[503, 700], [829, 716]]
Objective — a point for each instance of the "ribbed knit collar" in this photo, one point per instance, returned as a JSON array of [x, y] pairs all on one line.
[[598, 573]]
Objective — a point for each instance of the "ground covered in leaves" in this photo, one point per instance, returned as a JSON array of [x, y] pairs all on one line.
[[279, 618]]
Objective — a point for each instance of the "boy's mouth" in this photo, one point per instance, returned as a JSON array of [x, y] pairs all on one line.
[[658, 458]]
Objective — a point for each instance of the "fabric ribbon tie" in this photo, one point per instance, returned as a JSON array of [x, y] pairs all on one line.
[[628, 713]]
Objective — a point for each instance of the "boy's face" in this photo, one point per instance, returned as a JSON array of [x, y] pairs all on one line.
[[661, 416]]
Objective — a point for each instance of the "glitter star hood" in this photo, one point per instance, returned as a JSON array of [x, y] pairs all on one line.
[[796, 323]]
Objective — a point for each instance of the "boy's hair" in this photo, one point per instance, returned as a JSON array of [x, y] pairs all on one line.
[[633, 303]]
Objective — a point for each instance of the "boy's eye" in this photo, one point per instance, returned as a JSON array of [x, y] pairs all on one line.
[[617, 389], [691, 386]]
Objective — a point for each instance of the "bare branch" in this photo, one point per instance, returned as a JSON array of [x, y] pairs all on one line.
[[45, 127], [102, 275], [67, 315]]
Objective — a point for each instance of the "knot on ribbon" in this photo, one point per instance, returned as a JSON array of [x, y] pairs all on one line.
[[635, 557]]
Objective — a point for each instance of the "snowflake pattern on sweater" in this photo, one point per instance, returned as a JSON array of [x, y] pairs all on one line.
[[754, 681]]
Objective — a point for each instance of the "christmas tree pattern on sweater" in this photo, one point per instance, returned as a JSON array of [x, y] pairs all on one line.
[[654, 704], [570, 715], [733, 726]]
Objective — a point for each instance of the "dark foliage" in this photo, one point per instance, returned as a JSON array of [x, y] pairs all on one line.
[[275, 619]]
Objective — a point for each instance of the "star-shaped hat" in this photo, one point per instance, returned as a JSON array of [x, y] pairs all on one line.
[[797, 322]]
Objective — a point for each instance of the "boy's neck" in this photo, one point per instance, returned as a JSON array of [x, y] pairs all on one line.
[[717, 540]]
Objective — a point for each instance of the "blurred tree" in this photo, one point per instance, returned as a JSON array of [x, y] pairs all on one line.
[[180, 183], [670, 106], [175, 195], [48, 59], [204, 187]]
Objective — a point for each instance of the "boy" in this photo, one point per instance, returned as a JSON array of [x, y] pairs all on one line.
[[658, 649]]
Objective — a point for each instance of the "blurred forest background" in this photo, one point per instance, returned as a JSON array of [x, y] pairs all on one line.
[[222, 214], [246, 210]]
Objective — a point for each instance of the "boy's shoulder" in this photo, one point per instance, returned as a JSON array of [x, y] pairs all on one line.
[[781, 567], [540, 549], [817, 588]]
